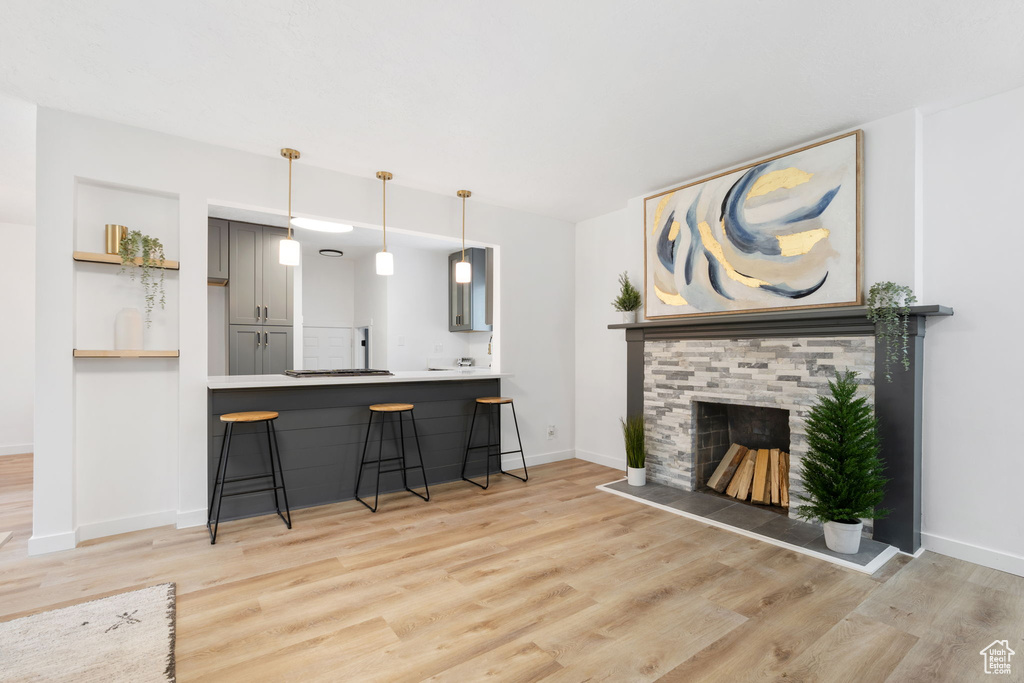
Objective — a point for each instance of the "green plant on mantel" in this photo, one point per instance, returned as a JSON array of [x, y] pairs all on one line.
[[150, 251], [889, 308], [842, 473], [634, 434], [629, 296]]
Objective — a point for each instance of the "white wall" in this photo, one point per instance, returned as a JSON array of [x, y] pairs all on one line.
[[537, 315], [371, 309], [974, 241], [17, 351], [328, 289]]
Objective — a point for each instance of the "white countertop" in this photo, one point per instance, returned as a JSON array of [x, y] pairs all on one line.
[[260, 381]]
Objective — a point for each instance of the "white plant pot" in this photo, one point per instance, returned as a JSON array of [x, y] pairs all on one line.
[[636, 476], [128, 329], [843, 538], [628, 317]]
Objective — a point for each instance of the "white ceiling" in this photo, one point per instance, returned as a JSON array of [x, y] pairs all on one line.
[[561, 108]]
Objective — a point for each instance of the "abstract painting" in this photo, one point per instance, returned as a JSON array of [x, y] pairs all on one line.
[[780, 233]]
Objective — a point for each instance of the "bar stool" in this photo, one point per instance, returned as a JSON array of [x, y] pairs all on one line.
[[497, 402], [252, 416], [398, 409]]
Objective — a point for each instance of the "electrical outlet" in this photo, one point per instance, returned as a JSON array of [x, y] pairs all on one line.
[[551, 432]]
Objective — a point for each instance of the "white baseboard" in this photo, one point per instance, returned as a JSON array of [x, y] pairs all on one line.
[[512, 462], [606, 460], [126, 524], [191, 518], [40, 545], [986, 557], [16, 449]]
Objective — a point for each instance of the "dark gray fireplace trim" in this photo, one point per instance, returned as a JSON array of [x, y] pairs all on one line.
[[898, 404]]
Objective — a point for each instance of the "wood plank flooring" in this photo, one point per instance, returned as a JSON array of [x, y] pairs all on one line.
[[550, 580]]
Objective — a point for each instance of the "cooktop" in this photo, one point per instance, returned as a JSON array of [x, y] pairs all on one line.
[[353, 372]]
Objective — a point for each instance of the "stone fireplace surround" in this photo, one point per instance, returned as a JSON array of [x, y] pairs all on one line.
[[779, 359]]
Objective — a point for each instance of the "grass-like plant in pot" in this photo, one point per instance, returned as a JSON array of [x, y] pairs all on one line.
[[842, 474], [150, 251], [889, 308], [634, 433], [628, 302]]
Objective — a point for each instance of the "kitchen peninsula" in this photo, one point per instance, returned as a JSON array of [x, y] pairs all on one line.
[[322, 426]]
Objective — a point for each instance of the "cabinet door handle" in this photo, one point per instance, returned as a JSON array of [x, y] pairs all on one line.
[[266, 340], [257, 312], [266, 313], [257, 340]]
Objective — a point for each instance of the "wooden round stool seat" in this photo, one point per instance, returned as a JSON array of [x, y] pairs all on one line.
[[391, 407], [494, 400], [249, 416]]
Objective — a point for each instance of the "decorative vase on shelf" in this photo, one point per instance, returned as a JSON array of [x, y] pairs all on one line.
[[114, 235], [629, 317], [128, 329]]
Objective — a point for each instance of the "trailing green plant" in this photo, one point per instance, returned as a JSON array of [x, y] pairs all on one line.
[[842, 473], [629, 296], [150, 251], [634, 433], [889, 308]]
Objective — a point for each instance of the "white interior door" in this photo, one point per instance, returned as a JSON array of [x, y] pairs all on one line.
[[327, 348]]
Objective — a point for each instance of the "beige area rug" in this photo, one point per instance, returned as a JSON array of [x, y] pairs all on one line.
[[124, 637]]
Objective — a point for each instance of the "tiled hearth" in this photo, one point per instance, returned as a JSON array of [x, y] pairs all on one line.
[[754, 522]]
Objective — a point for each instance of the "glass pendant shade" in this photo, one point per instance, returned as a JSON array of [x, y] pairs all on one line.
[[385, 263], [463, 272], [289, 253]]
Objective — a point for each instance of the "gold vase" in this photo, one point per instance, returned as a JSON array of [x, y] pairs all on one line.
[[115, 233]]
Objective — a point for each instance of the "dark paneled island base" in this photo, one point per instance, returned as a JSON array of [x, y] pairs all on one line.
[[321, 431]]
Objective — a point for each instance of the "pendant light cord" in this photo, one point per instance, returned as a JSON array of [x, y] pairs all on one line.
[[384, 212], [463, 228], [289, 197]]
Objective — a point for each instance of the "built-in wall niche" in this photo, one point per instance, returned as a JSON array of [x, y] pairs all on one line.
[[101, 291]]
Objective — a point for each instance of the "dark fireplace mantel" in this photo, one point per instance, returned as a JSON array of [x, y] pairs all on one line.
[[898, 404]]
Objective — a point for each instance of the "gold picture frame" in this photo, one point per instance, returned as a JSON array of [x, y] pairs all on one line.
[[751, 267]]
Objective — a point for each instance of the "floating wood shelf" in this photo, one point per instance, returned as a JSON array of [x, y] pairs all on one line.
[[114, 259], [124, 353]]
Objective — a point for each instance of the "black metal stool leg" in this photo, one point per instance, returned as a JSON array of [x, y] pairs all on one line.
[[218, 486], [362, 462], [275, 454], [469, 447], [419, 453], [521, 454], [401, 442]]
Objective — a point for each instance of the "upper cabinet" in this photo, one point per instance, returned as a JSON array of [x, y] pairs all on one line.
[[217, 258], [261, 289], [470, 304]]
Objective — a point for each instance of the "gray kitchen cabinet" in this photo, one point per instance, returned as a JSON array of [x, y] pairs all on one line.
[[259, 349], [469, 304], [245, 349], [260, 290], [217, 252]]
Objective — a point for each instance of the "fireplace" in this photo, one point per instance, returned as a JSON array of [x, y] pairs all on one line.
[[719, 425]]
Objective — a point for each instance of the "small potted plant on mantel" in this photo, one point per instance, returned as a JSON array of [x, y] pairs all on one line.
[[634, 434], [842, 473], [889, 308], [628, 302]]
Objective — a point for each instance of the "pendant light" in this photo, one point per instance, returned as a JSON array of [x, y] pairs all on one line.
[[385, 261], [289, 250], [464, 269]]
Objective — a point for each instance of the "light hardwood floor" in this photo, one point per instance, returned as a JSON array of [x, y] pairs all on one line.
[[550, 580]]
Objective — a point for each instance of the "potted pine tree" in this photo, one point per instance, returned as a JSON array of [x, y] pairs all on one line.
[[634, 434], [842, 473], [628, 302]]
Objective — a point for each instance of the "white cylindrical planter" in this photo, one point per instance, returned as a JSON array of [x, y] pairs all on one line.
[[628, 317], [636, 476], [128, 329], [843, 538]]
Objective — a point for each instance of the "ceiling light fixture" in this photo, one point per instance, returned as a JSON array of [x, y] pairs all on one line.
[[332, 253], [289, 250], [385, 261], [464, 269], [319, 225]]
